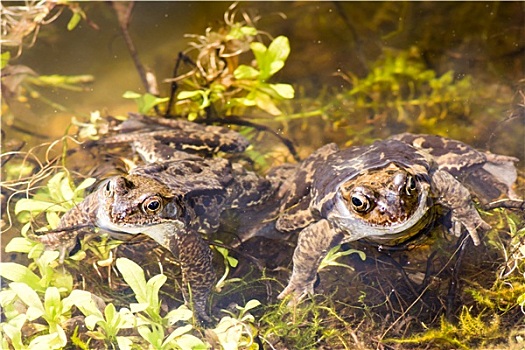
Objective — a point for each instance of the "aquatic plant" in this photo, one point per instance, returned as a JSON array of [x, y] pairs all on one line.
[[20, 28], [218, 85]]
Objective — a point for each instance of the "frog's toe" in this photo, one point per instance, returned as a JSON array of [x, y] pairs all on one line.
[[298, 292], [473, 229], [472, 226], [201, 314]]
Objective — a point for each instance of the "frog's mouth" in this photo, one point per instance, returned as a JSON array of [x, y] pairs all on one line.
[[357, 228], [160, 232]]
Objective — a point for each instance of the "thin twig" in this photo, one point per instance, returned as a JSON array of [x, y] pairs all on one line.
[[123, 11]]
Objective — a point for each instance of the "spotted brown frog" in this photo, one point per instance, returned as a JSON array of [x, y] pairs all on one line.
[[173, 201], [385, 193]]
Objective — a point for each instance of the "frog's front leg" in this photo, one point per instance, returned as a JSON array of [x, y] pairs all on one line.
[[454, 196], [198, 275], [314, 243], [64, 237]]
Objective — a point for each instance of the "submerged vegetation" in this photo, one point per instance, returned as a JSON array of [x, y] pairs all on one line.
[[435, 293]]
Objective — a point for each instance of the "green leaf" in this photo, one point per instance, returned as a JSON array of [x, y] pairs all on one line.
[[138, 307], [279, 50], [131, 95], [259, 51], [124, 343], [73, 22], [145, 102], [48, 257], [265, 102], [12, 330], [85, 184], [19, 273], [55, 340], [6, 56], [153, 286], [183, 95], [149, 101], [52, 302], [253, 303], [19, 245], [152, 337], [83, 300], [239, 32], [66, 191], [134, 277], [37, 206], [246, 72], [110, 313], [54, 184], [182, 313], [271, 60], [30, 298], [189, 341], [177, 332], [7, 297], [91, 321], [53, 219], [283, 90]]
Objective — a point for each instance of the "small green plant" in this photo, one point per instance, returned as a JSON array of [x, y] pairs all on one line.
[[145, 102], [469, 328], [46, 263], [304, 326], [246, 86], [334, 254], [400, 88], [151, 324], [40, 296], [236, 331], [53, 310], [229, 262], [218, 81], [58, 196]]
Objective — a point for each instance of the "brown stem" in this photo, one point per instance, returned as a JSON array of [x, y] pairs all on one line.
[[123, 11]]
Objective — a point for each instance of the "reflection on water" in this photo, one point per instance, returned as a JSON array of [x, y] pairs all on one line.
[[326, 38]]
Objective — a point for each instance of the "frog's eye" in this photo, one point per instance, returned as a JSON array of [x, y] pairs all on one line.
[[411, 185], [360, 202], [152, 204], [108, 189]]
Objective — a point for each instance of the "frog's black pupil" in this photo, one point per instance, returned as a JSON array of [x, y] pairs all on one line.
[[154, 205], [357, 202]]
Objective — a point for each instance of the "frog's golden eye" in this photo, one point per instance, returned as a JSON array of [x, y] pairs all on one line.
[[360, 202], [411, 185], [152, 205]]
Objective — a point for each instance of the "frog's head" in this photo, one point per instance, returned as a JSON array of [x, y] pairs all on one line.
[[136, 204], [381, 202]]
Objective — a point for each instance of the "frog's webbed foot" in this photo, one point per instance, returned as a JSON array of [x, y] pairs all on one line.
[[469, 219], [314, 243], [198, 275], [456, 197], [299, 291]]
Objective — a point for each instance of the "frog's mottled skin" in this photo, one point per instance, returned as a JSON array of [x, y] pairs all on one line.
[[172, 201], [161, 139], [386, 193]]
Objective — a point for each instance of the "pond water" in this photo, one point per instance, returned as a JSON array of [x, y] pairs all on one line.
[[361, 71]]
